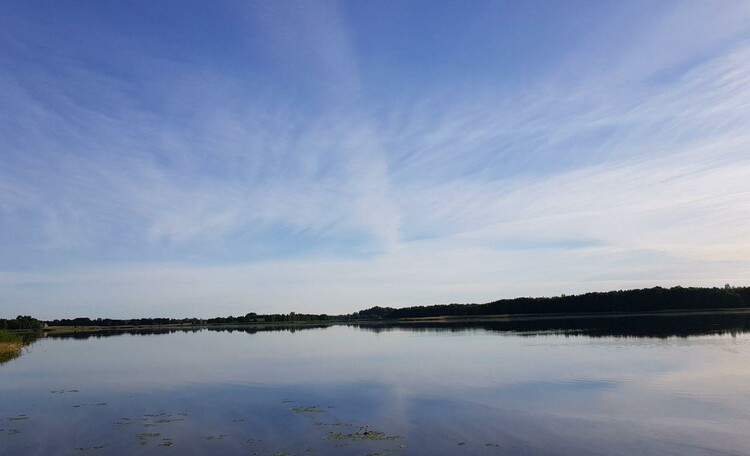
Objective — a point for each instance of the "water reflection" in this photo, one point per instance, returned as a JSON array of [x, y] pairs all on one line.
[[642, 326], [627, 326], [532, 387], [249, 329]]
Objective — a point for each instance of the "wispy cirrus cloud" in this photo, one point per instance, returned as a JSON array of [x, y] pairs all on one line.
[[205, 189]]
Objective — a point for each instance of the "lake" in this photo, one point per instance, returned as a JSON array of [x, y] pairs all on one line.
[[600, 386]]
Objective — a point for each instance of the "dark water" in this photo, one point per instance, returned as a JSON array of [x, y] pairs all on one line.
[[605, 386]]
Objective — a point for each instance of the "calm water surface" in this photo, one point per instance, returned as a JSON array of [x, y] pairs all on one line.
[[477, 390]]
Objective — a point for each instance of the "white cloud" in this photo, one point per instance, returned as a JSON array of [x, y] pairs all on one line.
[[592, 186]]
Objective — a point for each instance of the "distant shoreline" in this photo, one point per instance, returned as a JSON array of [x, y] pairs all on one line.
[[96, 328], [656, 301], [55, 330], [571, 316]]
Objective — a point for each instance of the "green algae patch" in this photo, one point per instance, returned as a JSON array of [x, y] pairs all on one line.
[[167, 420], [99, 404], [166, 443], [155, 419], [308, 409], [216, 437], [366, 435], [145, 437], [98, 447]]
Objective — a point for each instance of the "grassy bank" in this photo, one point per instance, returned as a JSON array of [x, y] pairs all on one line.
[[10, 345]]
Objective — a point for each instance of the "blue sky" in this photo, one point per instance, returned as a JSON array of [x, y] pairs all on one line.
[[215, 158]]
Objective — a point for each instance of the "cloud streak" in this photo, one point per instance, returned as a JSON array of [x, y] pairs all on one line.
[[214, 198]]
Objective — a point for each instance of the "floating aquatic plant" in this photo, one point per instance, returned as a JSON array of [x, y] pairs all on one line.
[[216, 437], [98, 447], [166, 443], [308, 409], [366, 435], [145, 437]]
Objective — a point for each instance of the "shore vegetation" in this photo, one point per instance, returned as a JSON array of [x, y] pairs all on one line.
[[10, 345]]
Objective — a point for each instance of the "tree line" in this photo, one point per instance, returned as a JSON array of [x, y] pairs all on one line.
[[251, 317], [682, 324], [24, 322], [620, 301], [641, 300]]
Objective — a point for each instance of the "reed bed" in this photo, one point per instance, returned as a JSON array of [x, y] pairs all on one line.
[[10, 345]]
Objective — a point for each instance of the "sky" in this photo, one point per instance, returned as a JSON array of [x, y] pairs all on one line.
[[163, 158]]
